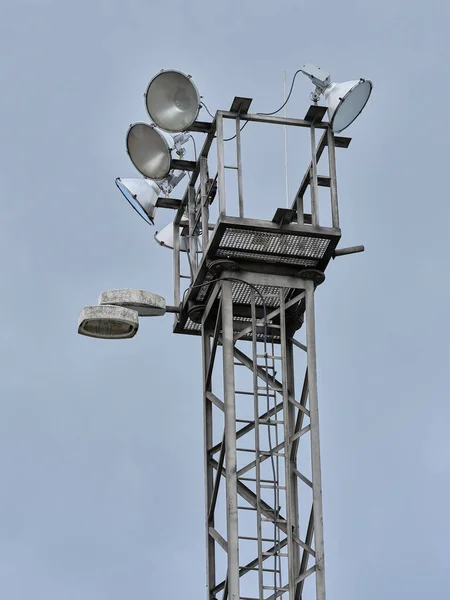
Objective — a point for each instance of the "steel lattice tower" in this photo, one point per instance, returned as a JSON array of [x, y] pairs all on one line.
[[247, 287], [251, 298]]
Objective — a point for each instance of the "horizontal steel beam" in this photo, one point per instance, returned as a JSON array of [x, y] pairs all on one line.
[[274, 120]]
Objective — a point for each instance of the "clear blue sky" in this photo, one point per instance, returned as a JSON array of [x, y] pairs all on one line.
[[101, 469]]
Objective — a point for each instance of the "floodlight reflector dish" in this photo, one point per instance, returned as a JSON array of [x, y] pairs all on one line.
[[172, 101], [142, 194], [149, 151], [346, 101], [145, 303], [108, 322]]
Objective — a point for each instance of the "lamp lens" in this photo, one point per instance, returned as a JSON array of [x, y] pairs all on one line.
[[351, 106]]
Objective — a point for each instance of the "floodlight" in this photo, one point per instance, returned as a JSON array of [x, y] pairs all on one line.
[[165, 237], [172, 101], [149, 151], [346, 101], [142, 194], [145, 303], [108, 322]]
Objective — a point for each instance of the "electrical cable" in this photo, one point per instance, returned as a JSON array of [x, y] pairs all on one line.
[[207, 110], [235, 135], [287, 98], [261, 114], [195, 147]]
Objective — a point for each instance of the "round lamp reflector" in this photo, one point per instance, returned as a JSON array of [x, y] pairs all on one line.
[[142, 194], [149, 151], [346, 101], [108, 322], [147, 304], [172, 101]]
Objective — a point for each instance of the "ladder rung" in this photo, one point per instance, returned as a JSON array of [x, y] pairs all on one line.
[[244, 421], [271, 453], [264, 387], [279, 589], [245, 450], [270, 487], [268, 570], [255, 539], [270, 422], [272, 356], [271, 521]]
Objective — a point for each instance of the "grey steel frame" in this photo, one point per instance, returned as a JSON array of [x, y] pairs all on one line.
[[296, 548], [206, 189]]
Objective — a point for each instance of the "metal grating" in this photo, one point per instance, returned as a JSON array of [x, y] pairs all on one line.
[[196, 328], [242, 294], [274, 243], [294, 260], [191, 326]]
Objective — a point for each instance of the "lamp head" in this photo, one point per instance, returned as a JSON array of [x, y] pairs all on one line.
[[108, 322], [346, 101], [146, 304], [165, 237], [142, 194], [149, 150], [172, 101]]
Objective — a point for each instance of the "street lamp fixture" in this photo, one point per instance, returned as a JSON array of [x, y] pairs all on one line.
[[108, 322]]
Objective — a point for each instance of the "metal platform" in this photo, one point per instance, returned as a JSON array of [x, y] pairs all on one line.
[[263, 247]]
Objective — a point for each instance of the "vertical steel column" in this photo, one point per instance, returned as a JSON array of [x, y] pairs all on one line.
[[220, 165], [290, 464], [208, 469], [176, 265], [300, 211], [292, 485], [230, 440], [333, 180], [204, 204], [192, 237], [292, 567], [239, 167], [315, 441], [313, 180]]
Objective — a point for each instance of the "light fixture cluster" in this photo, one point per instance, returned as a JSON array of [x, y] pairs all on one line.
[[173, 103]]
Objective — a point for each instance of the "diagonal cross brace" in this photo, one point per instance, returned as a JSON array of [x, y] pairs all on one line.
[[251, 565], [251, 498]]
